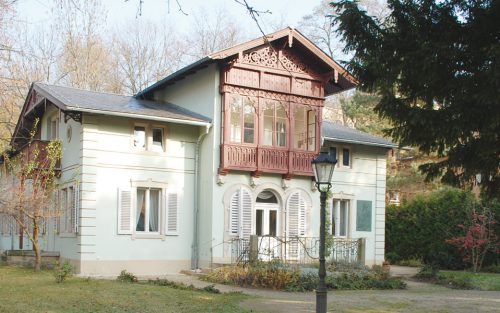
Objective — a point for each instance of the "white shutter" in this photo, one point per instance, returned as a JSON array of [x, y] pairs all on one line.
[[76, 207], [234, 214], [293, 215], [246, 213], [172, 213], [296, 222], [125, 211], [302, 216]]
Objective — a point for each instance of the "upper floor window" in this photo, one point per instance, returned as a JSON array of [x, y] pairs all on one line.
[[242, 120], [346, 157], [157, 135], [275, 124], [147, 137], [140, 137], [305, 128], [53, 127]]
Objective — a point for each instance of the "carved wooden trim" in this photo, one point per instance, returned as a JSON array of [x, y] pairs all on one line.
[[271, 95], [284, 59]]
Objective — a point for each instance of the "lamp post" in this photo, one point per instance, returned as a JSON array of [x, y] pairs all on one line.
[[323, 166]]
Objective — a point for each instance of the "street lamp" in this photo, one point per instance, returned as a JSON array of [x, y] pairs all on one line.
[[323, 167]]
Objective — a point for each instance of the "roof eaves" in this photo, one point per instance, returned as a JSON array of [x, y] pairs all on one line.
[[362, 142], [206, 123]]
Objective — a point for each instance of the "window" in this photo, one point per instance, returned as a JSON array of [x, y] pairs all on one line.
[[333, 152], [147, 137], [53, 127], [275, 124], [305, 128], [342, 155], [346, 157], [157, 139], [68, 210], [140, 137], [242, 120], [340, 218], [147, 210]]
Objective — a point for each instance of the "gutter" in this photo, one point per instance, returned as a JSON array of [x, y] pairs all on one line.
[[366, 143], [142, 116], [194, 247]]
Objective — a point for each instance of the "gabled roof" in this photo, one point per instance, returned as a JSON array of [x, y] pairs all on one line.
[[339, 133], [345, 79], [78, 100]]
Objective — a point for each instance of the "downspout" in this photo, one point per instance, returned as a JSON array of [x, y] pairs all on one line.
[[194, 247]]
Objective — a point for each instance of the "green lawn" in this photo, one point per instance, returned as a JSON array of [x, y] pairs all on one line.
[[479, 281], [22, 290]]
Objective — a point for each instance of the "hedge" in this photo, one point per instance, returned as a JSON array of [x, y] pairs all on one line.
[[418, 229]]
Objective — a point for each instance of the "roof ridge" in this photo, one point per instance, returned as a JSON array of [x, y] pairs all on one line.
[[81, 89]]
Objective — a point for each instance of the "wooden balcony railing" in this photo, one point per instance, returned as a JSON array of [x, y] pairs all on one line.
[[266, 160], [37, 151]]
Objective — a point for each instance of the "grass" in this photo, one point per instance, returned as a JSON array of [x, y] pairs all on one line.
[[479, 281], [22, 290]]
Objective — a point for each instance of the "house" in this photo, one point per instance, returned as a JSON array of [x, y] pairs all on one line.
[[182, 174]]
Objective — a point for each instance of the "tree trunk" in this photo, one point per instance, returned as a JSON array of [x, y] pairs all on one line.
[[36, 248]]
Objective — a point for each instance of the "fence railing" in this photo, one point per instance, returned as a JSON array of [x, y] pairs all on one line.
[[297, 250]]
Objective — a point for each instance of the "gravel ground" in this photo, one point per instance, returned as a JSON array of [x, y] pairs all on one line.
[[417, 298]]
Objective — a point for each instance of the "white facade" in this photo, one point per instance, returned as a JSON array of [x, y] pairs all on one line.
[[146, 196]]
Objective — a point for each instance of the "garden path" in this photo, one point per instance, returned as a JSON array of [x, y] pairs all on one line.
[[417, 298]]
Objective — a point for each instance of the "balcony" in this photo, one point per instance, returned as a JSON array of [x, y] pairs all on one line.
[[37, 151], [266, 160]]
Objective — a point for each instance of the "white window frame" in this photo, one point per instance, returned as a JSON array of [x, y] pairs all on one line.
[[147, 210], [335, 217], [67, 221], [340, 155], [350, 157], [53, 121], [163, 227], [148, 140]]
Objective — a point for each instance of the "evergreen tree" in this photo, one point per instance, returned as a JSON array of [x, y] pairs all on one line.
[[435, 65]]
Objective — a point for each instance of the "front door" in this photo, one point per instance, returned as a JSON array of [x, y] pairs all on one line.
[[266, 228]]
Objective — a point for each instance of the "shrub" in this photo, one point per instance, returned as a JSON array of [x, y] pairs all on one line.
[[127, 277], [428, 272], [411, 263], [62, 271], [273, 275], [419, 228], [277, 275]]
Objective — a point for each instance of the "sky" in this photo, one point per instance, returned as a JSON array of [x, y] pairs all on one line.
[[285, 12]]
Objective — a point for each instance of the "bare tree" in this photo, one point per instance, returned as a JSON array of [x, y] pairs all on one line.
[[146, 53], [27, 189], [212, 30], [85, 56], [318, 27]]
